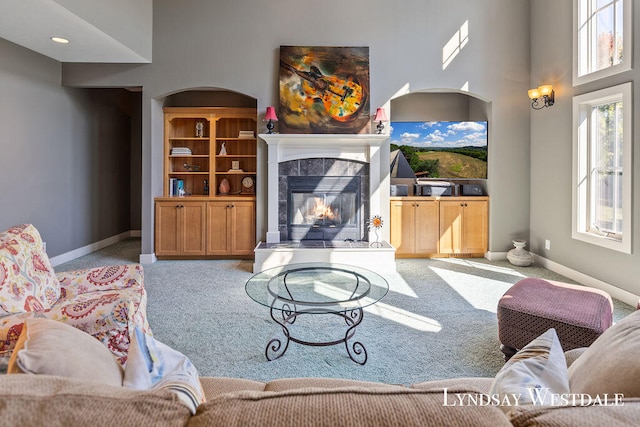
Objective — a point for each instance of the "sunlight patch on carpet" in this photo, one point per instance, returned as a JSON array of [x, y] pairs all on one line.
[[481, 292], [404, 317], [398, 285], [483, 266], [386, 311]]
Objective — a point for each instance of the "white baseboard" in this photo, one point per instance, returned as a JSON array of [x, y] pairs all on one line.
[[85, 250], [148, 258], [583, 279], [495, 256]]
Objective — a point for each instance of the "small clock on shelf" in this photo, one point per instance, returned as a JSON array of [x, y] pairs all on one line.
[[248, 185]]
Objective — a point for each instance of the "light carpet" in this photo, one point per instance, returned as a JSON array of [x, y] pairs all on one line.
[[437, 321]]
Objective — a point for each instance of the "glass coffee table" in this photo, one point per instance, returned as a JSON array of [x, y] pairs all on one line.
[[294, 290]]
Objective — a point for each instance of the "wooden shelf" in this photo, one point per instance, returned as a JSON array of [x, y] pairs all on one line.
[[220, 126]]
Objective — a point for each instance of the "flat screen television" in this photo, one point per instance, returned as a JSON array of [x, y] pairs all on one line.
[[443, 150]]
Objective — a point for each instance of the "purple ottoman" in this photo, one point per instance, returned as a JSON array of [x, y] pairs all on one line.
[[579, 314]]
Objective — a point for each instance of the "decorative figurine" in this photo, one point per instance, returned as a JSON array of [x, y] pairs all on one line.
[[223, 150], [224, 187], [199, 129], [375, 224]]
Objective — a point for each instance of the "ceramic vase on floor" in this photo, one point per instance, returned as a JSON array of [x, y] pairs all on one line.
[[519, 256]]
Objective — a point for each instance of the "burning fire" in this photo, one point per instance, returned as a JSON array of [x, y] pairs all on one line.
[[321, 211]]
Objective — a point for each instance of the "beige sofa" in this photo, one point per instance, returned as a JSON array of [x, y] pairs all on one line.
[[86, 387], [54, 401]]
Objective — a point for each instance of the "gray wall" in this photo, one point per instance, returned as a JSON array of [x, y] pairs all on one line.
[[551, 148], [234, 45], [64, 153]]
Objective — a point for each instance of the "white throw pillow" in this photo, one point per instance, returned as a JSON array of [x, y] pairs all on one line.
[[534, 375], [49, 347]]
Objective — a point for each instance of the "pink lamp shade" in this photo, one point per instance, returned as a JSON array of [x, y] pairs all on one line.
[[271, 114], [381, 115]]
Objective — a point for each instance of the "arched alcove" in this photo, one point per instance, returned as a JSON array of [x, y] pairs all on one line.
[[442, 105], [209, 97], [439, 105]]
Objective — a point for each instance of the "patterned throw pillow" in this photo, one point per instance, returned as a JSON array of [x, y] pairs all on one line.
[[534, 375], [27, 280]]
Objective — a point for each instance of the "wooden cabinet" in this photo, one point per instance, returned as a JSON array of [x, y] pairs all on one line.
[[205, 147], [180, 228], [431, 226], [231, 228], [463, 226], [414, 226]]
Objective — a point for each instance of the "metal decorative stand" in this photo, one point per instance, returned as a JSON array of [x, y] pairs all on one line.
[[289, 309], [376, 243]]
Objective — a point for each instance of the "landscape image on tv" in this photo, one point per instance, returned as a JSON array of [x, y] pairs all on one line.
[[445, 150]]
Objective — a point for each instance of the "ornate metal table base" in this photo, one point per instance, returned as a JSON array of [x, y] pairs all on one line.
[[295, 290], [352, 317]]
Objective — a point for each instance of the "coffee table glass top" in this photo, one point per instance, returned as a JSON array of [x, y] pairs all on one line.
[[317, 287]]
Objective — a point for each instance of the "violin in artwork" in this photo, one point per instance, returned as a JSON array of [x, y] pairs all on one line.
[[341, 97]]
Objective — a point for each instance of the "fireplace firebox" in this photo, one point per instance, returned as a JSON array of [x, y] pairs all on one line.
[[324, 208]]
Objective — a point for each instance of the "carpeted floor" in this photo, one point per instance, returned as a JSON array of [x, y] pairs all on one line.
[[437, 321]]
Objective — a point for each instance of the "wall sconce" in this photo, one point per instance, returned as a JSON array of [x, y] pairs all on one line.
[[542, 96], [381, 116], [271, 116]]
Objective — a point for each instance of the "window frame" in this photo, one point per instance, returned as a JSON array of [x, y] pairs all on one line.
[[582, 147], [627, 34]]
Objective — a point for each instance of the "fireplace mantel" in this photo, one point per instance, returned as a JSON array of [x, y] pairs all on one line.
[[358, 147]]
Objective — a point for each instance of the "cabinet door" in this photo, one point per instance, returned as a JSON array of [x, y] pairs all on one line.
[[167, 228], [217, 227], [243, 228], [402, 233], [450, 226], [426, 227], [180, 228], [474, 227], [193, 216]]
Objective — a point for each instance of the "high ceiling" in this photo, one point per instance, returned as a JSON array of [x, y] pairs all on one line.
[[118, 31]]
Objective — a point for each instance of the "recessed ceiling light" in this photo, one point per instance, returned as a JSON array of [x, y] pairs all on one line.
[[60, 40]]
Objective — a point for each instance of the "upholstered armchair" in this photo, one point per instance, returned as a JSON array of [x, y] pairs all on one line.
[[106, 302]]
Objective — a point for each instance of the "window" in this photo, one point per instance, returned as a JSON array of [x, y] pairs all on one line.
[[602, 153], [602, 38]]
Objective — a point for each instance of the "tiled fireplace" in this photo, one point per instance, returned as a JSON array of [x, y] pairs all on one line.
[[326, 206], [327, 186]]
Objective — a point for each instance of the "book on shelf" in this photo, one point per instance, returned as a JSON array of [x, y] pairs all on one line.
[[176, 187], [246, 134], [181, 151]]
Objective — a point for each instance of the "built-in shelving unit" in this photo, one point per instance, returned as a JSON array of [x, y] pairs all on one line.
[[210, 165]]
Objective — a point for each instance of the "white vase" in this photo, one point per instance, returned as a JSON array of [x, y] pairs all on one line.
[[519, 256]]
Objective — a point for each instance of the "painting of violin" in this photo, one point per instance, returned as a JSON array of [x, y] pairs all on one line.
[[324, 90]]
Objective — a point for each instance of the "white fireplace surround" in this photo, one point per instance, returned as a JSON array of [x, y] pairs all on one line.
[[365, 148]]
